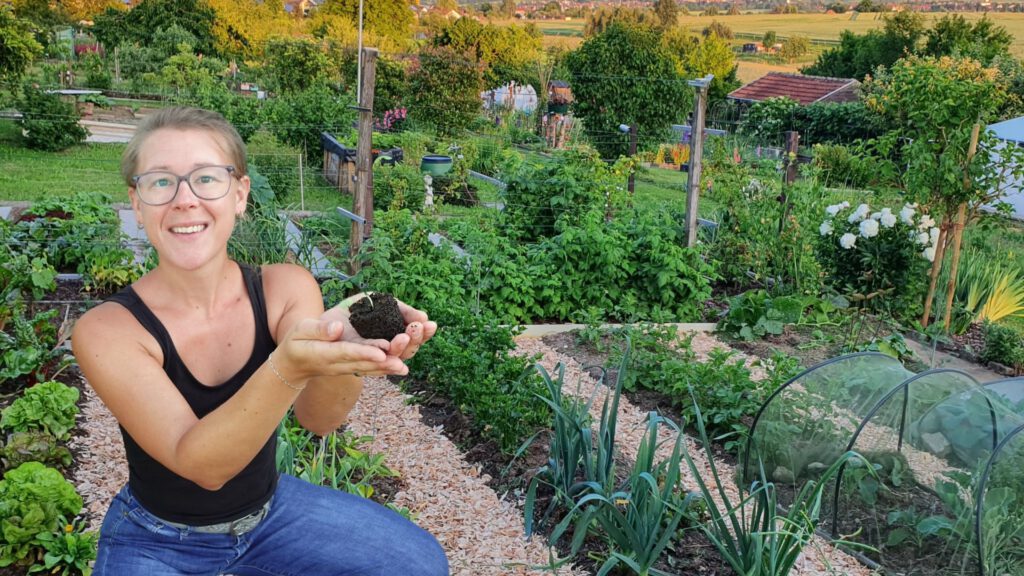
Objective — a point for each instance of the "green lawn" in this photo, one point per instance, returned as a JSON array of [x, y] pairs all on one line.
[[34, 175]]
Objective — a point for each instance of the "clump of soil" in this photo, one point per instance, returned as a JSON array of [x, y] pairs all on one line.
[[377, 316]]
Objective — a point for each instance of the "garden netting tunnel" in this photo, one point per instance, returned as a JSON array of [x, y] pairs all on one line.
[[939, 487]]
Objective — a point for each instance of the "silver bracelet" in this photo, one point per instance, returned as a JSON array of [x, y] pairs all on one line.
[[270, 361]]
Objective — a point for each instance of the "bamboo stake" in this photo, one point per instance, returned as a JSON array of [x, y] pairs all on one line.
[[940, 252], [958, 232]]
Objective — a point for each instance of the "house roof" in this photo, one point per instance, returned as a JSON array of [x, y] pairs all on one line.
[[1012, 130], [803, 89]]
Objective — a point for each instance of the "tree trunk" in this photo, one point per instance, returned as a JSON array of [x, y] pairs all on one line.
[[940, 252]]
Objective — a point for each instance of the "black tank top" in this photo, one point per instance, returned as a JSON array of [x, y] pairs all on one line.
[[173, 497]]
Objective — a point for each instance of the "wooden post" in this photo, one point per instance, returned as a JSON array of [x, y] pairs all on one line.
[[958, 231], [363, 197], [696, 153], [302, 187]]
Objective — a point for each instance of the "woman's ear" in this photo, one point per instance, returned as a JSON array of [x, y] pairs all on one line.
[[242, 195], [133, 196]]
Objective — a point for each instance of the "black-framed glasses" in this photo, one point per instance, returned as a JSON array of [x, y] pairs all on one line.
[[160, 187]]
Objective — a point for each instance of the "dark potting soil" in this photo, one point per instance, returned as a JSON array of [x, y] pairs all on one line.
[[377, 316]]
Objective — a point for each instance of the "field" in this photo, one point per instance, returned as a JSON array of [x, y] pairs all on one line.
[[815, 26]]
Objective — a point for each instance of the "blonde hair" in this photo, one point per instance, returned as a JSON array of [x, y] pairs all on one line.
[[183, 118]]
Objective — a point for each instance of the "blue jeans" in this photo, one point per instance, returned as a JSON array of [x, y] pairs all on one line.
[[309, 531]]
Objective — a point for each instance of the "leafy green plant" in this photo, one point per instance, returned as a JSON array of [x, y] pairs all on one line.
[[336, 461], [33, 498], [34, 446], [48, 406], [752, 535], [69, 550], [756, 314], [28, 347]]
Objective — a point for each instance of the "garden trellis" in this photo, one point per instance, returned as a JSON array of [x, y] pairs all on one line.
[[943, 493]]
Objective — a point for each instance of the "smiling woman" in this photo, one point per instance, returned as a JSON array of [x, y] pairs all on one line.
[[201, 358]]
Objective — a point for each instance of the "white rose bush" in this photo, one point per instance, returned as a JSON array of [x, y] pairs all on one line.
[[878, 258]]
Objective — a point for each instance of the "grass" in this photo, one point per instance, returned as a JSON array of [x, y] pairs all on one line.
[[31, 175]]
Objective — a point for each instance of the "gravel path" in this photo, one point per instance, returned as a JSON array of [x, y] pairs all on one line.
[[482, 533]]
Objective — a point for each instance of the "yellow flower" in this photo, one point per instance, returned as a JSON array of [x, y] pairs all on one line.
[[68, 529], [621, 501]]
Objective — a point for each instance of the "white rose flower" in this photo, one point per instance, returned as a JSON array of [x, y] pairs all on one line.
[[907, 215], [845, 204], [869, 228], [834, 209], [848, 241], [826, 228], [926, 222], [933, 235], [929, 253], [876, 215], [859, 214], [923, 238], [888, 219]]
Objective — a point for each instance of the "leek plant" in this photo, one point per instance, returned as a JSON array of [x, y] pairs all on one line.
[[640, 518], [753, 535], [578, 461]]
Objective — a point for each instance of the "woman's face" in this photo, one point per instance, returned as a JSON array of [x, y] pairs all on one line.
[[188, 231]]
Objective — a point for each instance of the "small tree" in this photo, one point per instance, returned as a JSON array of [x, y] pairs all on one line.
[[296, 64], [795, 47], [667, 12], [769, 39], [718, 29], [625, 76], [17, 46], [445, 90], [932, 106]]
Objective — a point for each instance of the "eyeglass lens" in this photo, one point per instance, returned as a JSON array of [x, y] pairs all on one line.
[[206, 182]]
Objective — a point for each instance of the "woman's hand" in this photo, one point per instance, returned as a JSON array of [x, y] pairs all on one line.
[[328, 347], [418, 329]]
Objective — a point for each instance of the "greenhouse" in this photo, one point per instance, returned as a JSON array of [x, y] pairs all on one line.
[[929, 444]]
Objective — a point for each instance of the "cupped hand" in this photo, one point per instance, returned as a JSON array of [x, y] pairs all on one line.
[[418, 329], [319, 347]]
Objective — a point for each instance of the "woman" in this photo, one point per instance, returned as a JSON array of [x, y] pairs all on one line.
[[201, 358]]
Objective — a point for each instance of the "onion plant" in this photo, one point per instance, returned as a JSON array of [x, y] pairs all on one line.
[[753, 535]]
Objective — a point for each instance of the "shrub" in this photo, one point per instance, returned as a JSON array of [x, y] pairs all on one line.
[[1003, 344], [299, 119], [768, 119], [277, 161], [841, 167], [396, 187], [49, 123]]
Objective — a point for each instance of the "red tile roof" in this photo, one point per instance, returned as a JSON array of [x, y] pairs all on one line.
[[803, 89]]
